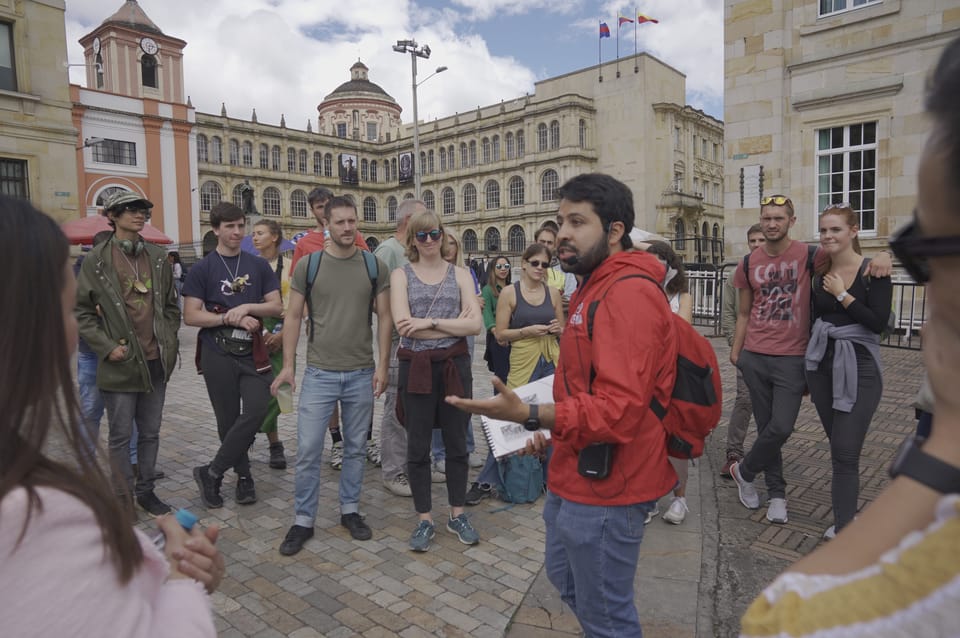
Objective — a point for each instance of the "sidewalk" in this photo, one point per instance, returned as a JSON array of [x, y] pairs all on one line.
[[339, 587]]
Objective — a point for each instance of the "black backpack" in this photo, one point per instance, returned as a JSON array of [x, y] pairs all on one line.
[[313, 267]]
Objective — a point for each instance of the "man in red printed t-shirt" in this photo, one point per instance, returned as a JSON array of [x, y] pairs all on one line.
[[773, 327]]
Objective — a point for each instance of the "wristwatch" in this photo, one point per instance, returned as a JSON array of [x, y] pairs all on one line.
[[843, 295], [433, 323], [912, 461], [532, 424]]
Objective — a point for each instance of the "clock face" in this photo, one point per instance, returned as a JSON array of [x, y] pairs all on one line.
[[149, 46], [96, 46]]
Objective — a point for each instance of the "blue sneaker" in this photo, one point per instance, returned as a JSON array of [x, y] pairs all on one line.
[[461, 526], [420, 541]]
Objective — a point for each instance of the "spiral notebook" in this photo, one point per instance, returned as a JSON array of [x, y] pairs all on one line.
[[506, 437]]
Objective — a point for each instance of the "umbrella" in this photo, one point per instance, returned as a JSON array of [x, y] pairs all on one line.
[[82, 231], [246, 245], [643, 235]]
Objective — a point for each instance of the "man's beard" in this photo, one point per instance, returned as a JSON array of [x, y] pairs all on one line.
[[588, 261]]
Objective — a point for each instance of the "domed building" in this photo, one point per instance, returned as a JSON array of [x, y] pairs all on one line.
[[359, 109]]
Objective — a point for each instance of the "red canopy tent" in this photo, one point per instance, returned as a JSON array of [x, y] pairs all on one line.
[[82, 231]]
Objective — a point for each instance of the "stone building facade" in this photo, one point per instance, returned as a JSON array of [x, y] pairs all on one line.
[[822, 102]]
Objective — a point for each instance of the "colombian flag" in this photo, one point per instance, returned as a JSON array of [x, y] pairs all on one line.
[[604, 30], [623, 20], [642, 18]]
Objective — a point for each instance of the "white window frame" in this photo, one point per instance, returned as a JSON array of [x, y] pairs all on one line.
[[824, 199], [854, 5]]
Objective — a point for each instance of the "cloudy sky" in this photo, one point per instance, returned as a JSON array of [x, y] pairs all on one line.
[[284, 56]]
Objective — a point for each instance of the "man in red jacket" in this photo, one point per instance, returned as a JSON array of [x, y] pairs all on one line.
[[602, 389]]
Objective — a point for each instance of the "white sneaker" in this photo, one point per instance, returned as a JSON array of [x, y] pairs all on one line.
[[677, 511], [652, 514], [399, 485], [831, 533], [748, 493], [438, 472], [777, 510], [475, 460], [336, 456]]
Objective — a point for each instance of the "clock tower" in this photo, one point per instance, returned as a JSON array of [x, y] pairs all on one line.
[[129, 55]]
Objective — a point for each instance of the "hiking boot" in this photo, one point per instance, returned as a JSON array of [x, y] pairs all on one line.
[[209, 487], [277, 460], [460, 525], [477, 492], [652, 513], [747, 492], [358, 529], [336, 456], [400, 485], [373, 452], [677, 511], [152, 504], [246, 492], [731, 459], [777, 511], [420, 540], [438, 472], [475, 460], [294, 540]]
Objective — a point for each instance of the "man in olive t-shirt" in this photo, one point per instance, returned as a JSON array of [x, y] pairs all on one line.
[[340, 367]]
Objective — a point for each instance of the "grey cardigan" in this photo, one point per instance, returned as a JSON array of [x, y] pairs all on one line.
[[844, 357]]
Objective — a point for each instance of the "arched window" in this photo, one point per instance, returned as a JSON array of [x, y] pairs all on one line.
[[485, 144], [473, 152], [509, 142], [298, 204], [680, 235], [491, 240], [364, 170], [516, 239], [202, 148], [216, 150], [275, 158], [443, 159], [264, 156], [393, 169], [516, 191], [369, 209], [450, 156], [549, 183], [247, 154], [291, 160], [271, 201], [496, 148], [237, 195], [464, 157], [521, 144], [430, 161], [491, 191], [716, 251], [469, 198], [327, 165], [317, 163], [429, 200], [210, 195], [234, 146], [583, 134], [302, 164], [148, 71], [408, 196], [449, 201], [373, 171], [391, 209], [554, 134], [372, 243], [469, 241], [542, 135]]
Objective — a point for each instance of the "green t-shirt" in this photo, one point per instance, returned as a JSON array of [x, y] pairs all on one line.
[[342, 338]]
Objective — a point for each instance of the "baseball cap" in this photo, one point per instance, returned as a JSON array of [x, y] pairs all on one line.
[[120, 199]]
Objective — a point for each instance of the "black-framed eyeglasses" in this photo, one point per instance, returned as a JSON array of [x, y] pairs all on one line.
[[434, 235], [538, 264], [913, 249], [138, 209], [776, 200]]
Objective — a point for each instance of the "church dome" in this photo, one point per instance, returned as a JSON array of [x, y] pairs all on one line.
[[358, 85]]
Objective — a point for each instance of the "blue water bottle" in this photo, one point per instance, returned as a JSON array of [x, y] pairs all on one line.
[[187, 520]]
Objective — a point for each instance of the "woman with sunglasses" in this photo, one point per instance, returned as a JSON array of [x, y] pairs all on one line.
[[71, 563], [895, 569], [850, 310], [434, 309], [498, 280]]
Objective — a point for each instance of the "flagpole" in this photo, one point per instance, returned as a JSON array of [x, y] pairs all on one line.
[[636, 24], [599, 51], [618, 44]]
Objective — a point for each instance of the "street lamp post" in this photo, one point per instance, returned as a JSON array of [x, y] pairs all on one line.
[[416, 51]]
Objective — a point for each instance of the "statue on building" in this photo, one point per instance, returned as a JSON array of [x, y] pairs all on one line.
[[247, 200]]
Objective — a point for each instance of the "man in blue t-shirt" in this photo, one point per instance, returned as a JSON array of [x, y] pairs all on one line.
[[226, 294]]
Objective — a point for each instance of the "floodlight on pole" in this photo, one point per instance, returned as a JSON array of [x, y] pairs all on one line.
[[416, 51]]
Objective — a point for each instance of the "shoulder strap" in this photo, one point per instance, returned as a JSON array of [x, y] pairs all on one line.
[[313, 266], [373, 272], [811, 255], [746, 269]]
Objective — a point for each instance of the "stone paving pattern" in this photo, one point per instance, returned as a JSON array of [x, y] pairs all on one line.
[[693, 580]]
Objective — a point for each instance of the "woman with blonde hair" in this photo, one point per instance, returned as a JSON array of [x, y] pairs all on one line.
[[434, 308]]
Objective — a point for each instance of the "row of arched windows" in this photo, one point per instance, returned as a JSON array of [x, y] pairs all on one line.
[[516, 240], [211, 194]]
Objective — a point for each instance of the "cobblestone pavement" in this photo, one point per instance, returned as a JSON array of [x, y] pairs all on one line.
[[694, 579]]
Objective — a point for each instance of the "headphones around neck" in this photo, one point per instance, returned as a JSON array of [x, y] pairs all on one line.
[[132, 248]]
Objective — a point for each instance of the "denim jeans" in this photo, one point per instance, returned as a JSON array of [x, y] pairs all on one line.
[[91, 401], [591, 558], [319, 392]]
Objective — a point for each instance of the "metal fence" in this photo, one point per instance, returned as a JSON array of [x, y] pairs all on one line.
[[909, 304]]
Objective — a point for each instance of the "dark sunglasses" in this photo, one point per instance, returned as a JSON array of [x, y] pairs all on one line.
[[913, 249], [776, 200], [434, 235], [538, 264], [502, 266]]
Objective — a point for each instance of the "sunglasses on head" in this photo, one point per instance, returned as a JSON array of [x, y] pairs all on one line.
[[838, 206], [538, 264], [502, 266], [913, 249], [434, 235], [776, 200]]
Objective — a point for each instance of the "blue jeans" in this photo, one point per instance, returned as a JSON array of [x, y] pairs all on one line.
[[591, 558], [319, 392], [91, 401]]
